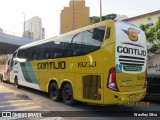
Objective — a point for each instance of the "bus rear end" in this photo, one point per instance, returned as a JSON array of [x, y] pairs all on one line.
[[5, 67], [127, 78]]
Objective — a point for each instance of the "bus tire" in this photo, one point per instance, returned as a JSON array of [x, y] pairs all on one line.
[[54, 92], [67, 94], [1, 78], [16, 82]]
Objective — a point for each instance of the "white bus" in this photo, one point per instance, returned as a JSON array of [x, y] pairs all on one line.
[[5, 67]]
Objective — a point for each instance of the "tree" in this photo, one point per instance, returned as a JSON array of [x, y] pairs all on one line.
[[106, 17], [96, 20], [152, 34], [111, 16]]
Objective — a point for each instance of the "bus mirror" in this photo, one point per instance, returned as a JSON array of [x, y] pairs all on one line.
[[98, 34]]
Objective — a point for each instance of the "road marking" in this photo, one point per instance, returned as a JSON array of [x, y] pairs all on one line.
[[12, 101], [25, 108], [17, 104]]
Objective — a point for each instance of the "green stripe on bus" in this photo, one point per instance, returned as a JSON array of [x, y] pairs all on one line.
[[28, 73]]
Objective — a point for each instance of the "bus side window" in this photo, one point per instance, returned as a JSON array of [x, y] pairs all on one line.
[[14, 54], [13, 59], [34, 54], [9, 62], [12, 62], [46, 51], [41, 52], [47, 54], [28, 57], [76, 45], [20, 54], [26, 54], [92, 39], [98, 34]]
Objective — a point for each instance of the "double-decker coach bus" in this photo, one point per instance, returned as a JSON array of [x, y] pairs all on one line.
[[104, 63]]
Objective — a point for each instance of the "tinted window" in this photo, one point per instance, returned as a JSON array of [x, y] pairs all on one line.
[[92, 39], [14, 54], [41, 50], [73, 45], [34, 53], [21, 53]]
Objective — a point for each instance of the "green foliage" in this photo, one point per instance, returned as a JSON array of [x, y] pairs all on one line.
[[152, 34], [107, 17], [148, 17], [96, 20], [153, 49], [111, 16], [3, 60]]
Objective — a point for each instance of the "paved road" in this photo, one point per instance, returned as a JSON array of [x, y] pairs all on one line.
[[26, 99]]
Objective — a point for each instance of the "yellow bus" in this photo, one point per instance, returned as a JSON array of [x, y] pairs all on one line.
[[104, 63]]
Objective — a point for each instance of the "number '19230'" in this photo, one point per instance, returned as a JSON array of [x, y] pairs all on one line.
[[86, 64]]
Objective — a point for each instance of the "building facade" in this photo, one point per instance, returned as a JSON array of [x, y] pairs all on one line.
[[142, 19], [1, 30], [33, 29], [43, 33], [81, 16]]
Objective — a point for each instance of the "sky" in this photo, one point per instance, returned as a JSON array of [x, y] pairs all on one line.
[[12, 12]]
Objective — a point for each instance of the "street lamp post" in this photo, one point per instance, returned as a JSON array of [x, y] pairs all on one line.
[[100, 10], [72, 14], [24, 24]]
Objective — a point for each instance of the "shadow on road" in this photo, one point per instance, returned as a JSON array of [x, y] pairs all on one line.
[[87, 110]]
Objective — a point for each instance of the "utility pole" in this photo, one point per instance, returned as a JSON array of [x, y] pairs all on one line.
[[100, 10], [72, 14]]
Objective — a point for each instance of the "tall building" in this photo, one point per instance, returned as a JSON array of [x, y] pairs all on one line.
[[81, 16], [43, 33], [33, 29], [1, 30]]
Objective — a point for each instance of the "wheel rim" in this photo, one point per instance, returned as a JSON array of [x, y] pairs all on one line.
[[67, 94]]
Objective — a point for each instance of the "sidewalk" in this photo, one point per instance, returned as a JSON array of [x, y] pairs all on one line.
[[10, 94]]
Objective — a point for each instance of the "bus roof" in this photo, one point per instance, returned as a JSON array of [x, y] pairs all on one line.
[[65, 34]]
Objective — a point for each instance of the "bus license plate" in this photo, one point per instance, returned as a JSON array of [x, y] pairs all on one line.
[[132, 96]]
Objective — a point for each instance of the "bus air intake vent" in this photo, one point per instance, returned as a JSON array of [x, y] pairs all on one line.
[[131, 61]]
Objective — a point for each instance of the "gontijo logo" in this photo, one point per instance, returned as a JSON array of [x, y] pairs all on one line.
[[132, 33]]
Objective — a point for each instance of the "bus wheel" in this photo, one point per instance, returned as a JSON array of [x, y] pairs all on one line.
[[16, 82], [67, 94], [1, 79], [54, 92]]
